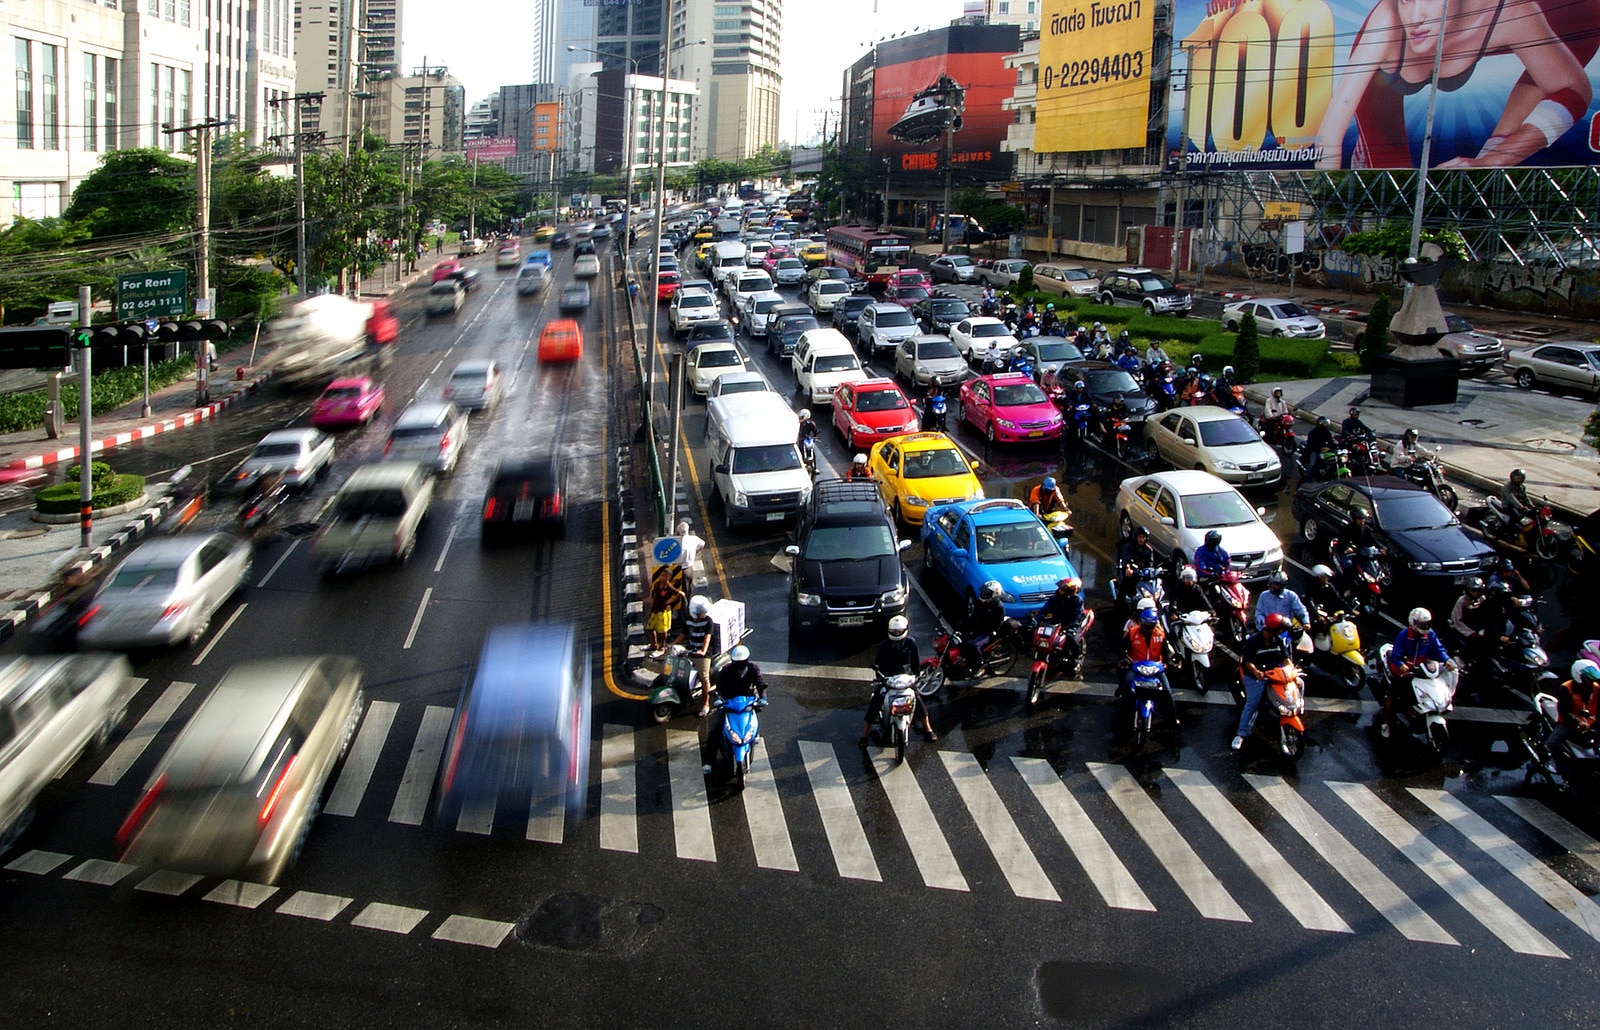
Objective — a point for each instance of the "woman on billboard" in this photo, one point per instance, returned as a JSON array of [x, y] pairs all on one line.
[[1393, 57]]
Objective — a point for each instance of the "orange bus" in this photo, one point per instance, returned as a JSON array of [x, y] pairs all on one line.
[[870, 253]]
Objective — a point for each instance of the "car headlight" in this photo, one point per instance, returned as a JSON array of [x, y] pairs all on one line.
[[1273, 556], [805, 494], [1425, 566], [916, 502], [740, 500], [1227, 466], [895, 596], [1005, 423], [808, 600]]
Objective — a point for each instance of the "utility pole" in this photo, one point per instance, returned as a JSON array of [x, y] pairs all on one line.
[[202, 303], [85, 428], [299, 100], [472, 201]]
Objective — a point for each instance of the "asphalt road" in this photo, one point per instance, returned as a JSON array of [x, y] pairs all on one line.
[[1027, 869]]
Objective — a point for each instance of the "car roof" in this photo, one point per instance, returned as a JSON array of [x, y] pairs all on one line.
[[168, 550], [349, 381], [984, 320], [296, 435], [992, 511], [1378, 487], [473, 366], [923, 441], [1187, 481], [1007, 378], [560, 325], [876, 383], [381, 474], [1208, 413], [541, 469], [423, 413], [879, 305]]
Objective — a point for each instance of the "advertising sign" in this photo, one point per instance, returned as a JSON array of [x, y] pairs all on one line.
[[1094, 75], [946, 84], [1293, 84], [144, 295], [490, 148]]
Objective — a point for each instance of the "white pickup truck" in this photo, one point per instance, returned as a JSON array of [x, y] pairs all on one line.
[[1001, 273]]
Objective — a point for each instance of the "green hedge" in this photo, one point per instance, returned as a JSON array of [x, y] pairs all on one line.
[[108, 392], [1279, 357], [63, 499], [1140, 325]]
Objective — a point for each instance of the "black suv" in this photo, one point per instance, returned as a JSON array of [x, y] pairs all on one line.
[[845, 563], [788, 322], [1142, 288], [938, 314], [848, 310]]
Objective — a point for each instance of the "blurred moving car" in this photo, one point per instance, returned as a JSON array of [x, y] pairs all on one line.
[[508, 255], [574, 298], [475, 385], [444, 270], [238, 790], [166, 591], [347, 402], [519, 744], [53, 708], [433, 433], [586, 266], [444, 297], [300, 454], [526, 494], [374, 518], [560, 340]]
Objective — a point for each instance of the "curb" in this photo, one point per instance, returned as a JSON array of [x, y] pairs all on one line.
[[632, 577]]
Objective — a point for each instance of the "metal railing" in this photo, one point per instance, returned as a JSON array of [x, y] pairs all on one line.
[[646, 428]]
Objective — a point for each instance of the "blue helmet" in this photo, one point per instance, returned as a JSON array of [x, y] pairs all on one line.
[[1147, 616], [1049, 482]]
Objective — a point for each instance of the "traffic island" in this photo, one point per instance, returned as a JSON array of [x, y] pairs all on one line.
[[1414, 375]]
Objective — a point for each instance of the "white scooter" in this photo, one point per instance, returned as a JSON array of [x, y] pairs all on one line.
[[1421, 710], [1195, 640], [894, 719]]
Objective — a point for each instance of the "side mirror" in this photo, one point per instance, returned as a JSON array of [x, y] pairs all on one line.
[[1186, 438], [974, 465], [904, 544], [720, 469], [1261, 511], [792, 551], [1168, 520]]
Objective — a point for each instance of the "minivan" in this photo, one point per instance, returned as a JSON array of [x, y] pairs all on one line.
[[727, 257], [431, 432], [756, 471], [532, 279]]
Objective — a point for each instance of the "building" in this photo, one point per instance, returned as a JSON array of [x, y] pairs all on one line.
[[383, 33], [736, 71], [433, 109], [1024, 14], [628, 110], [327, 61], [516, 111], [546, 127], [574, 28], [483, 119], [546, 32], [629, 36]]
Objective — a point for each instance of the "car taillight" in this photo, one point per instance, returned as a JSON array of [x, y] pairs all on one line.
[[555, 503], [444, 442], [83, 620], [173, 611], [140, 810], [489, 508], [277, 789], [455, 752]]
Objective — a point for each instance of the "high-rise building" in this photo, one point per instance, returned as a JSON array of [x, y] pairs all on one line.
[[736, 71], [383, 33], [629, 36], [545, 32], [1024, 14], [433, 110], [328, 51], [516, 115], [483, 119], [574, 28]]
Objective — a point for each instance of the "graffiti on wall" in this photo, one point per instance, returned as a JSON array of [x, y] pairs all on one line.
[[1268, 262], [1546, 282]]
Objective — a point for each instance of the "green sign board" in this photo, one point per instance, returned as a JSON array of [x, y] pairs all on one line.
[[144, 295]]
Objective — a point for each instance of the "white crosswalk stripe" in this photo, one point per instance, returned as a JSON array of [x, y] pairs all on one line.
[[1495, 915], [769, 833], [1581, 846], [1022, 871], [619, 797], [1343, 857], [852, 855], [137, 684], [362, 759], [1196, 880], [929, 849], [1104, 869], [691, 815], [547, 815], [122, 758], [416, 786]]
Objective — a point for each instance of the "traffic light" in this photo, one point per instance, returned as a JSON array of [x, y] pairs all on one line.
[[35, 346], [208, 329], [126, 334]]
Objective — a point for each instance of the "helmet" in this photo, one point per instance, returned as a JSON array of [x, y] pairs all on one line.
[[899, 627], [1420, 620], [1049, 307], [1277, 391], [1276, 623], [1584, 669], [1080, 385], [1139, 531], [1474, 583], [1124, 335], [1213, 539], [1227, 370], [859, 460], [739, 653], [1147, 613], [1517, 475], [699, 604], [1188, 575], [989, 591], [1322, 420], [1359, 514], [1070, 583], [1099, 325], [1523, 600], [1049, 483], [1507, 565], [1205, 381], [1198, 361], [1321, 572], [1278, 578], [1499, 588], [1355, 412], [805, 413], [1412, 434]]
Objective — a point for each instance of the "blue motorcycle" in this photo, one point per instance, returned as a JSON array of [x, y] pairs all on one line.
[[1147, 692], [740, 728]]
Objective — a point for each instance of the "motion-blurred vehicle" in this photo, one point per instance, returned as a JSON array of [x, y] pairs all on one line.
[[574, 298], [313, 337], [471, 245], [560, 340], [443, 298], [585, 266], [166, 591], [302, 455], [525, 495], [347, 402], [431, 432], [374, 518], [508, 255], [532, 279], [475, 385]]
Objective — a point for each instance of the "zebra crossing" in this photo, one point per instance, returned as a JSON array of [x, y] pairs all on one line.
[[1330, 855]]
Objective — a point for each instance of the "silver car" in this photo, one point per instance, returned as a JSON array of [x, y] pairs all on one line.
[[1179, 508], [474, 385], [300, 454], [1477, 351], [929, 359], [1275, 317], [432, 433], [1570, 365], [166, 591]]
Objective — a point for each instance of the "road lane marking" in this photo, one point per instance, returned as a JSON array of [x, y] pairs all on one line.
[[1257, 854], [619, 797], [547, 815], [362, 759], [769, 832], [691, 814], [1533, 874], [240, 894], [911, 810], [1495, 915], [852, 855], [389, 918], [448, 539], [477, 812], [1022, 870], [1197, 882], [311, 905], [37, 862], [482, 933], [281, 559], [167, 881], [218, 635], [1579, 844], [1358, 871], [138, 739], [411, 797], [98, 870], [1105, 870], [416, 621]]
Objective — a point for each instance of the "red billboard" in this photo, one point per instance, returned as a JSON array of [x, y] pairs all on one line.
[[945, 85], [490, 148]]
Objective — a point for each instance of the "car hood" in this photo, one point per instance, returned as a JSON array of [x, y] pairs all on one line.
[[1139, 406], [893, 417], [942, 366], [1245, 453], [1246, 539], [1447, 543], [1303, 322], [1032, 577], [1041, 411], [961, 487], [851, 575]]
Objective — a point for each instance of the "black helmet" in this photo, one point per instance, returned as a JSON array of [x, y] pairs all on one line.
[[1474, 584], [1500, 588], [1213, 539], [1359, 514], [1139, 531], [1322, 420], [1517, 475]]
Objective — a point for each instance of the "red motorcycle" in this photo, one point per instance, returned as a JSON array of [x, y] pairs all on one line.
[[1057, 653], [956, 658], [1278, 431], [1231, 602]]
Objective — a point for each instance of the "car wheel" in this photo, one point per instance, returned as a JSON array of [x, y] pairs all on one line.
[[1231, 326], [1525, 378], [1125, 527], [1149, 309], [1277, 332], [988, 432], [201, 624], [1108, 300], [1310, 530]]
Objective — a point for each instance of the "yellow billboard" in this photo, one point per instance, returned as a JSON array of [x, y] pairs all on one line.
[[1094, 75]]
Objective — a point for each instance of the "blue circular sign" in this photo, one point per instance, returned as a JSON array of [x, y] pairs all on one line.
[[668, 550]]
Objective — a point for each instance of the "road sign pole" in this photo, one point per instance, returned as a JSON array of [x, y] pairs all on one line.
[[85, 428]]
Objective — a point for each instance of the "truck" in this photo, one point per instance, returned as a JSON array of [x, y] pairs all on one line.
[[1000, 273], [318, 336]]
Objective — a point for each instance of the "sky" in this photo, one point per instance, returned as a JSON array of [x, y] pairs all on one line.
[[821, 38]]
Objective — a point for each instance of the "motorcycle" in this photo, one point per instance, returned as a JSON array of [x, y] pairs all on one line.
[[1365, 456], [894, 716], [935, 413], [1146, 583], [1521, 664], [1278, 431], [1147, 693], [1230, 599], [1330, 463], [808, 454], [1427, 472], [1115, 432], [189, 493], [1338, 642], [741, 726], [267, 496], [1365, 575], [676, 686], [1531, 533], [1057, 653], [955, 658], [1429, 695], [1191, 639], [1078, 421], [1285, 698], [1060, 530], [1575, 767]]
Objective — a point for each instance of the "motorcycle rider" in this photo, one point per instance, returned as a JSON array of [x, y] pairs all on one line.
[[934, 410], [993, 360], [896, 656], [1154, 356], [1514, 497], [1048, 323], [1507, 572], [1277, 406], [1472, 617], [1323, 598], [1116, 411], [1577, 708], [1222, 390], [739, 678], [1046, 498], [1319, 439], [858, 469], [1352, 428], [1210, 560], [1197, 391], [1144, 640], [986, 617], [808, 428], [1263, 650], [696, 634], [1186, 595], [1406, 450], [1069, 408], [1278, 599], [1416, 643], [1065, 606], [1360, 535], [1135, 554]]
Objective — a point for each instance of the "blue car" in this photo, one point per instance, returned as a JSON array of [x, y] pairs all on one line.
[[972, 542]]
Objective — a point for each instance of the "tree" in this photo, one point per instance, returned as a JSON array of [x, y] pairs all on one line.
[[1374, 339], [1247, 350], [1393, 240], [993, 214], [43, 261], [145, 192]]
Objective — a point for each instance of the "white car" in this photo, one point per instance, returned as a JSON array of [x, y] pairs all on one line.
[[757, 311], [756, 253], [1275, 317], [825, 293], [691, 306], [587, 266], [444, 297], [741, 287], [300, 454], [953, 268], [710, 360], [827, 368], [729, 383], [972, 336], [1216, 440], [1180, 508], [882, 327], [165, 592], [474, 385]]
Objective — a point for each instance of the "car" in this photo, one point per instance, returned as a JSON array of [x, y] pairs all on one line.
[[601, 231], [1106, 382], [1070, 280], [583, 230], [532, 279], [1000, 273], [1477, 351], [444, 270], [302, 455], [844, 565], [972, 336], [953, 268], [376, 517], [756, 315], [690, 307], [54, 708], [929, 360], [544, 234], [560, 240], [846, 313], [526, 494], [825, 293], [755, 252], [351, 401], [1143, 288], [666, 285], [1179, 508], [1568, 365], [582, 248], [867, 411], [769, 261], [467, 277], [1427, 547], [697, 284], [433, 433], [586, 266], [970, 543], [824, 368], [729, 383], [560, 340], [508, 255], [1009, 408], [574, 298], [813, 254], [789, 271], [166, 591], [741, 286], [472, 245], [920, 471], [909, 277], [906, 296], [443, 298], [718, 331], [790, 317], [710, 360], [938, 314], [1051, 357], [828, 272], [475, 385], [882, 326], [1207, 437], [1275, 317]]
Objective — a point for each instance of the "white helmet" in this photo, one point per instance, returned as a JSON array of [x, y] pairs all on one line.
[[1420, 620], [899, 627], [739, 653], [859, 460], [699, 604], [805, 413], [1144, 602], [1584, 669], [1187, 574]]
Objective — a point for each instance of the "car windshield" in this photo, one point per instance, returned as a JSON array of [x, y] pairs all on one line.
[[1075, 275], [937, 349], [1215, 511], [850, 543], [898, 317], [1014, 542], [832, 286], [276, 450], [1111, 381], [910, 293], [719, 358], [1457, 324], [960, 260], [572, 292], [986, 329], [1227, 432], [949, 307], [764, 306], [1059, 352], [468, 381], [720, 331], [145, 577], [1413, 511], [341, 393], [946, 461], [773, 457], [791, 263], [835, 363], [382, 503], [1153, 282], [1016, 396], [747, 386], [693, 300], [880, 400], [444, 289], [1288, 311]]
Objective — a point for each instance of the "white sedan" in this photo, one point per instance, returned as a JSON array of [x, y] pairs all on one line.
[[1216, 440], [300, 454], [972, 336], [1180, 508], [710, 360], [587, 266], [1275, 317]]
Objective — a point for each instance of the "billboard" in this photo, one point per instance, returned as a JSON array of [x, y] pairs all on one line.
[[1094, 75], [1294, 84], [962, 80], [490, 148]]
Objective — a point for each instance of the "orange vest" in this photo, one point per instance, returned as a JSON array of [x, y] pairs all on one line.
[[1141, 648]]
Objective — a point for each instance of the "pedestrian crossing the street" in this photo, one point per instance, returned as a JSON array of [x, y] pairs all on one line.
[[1433, 866]]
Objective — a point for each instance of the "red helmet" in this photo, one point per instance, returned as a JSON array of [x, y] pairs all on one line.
[[1276, 623]]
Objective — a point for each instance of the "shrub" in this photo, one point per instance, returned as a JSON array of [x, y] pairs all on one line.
[[99, 473], [1024, 283], [108, 391], [1295, 359], [62, 499], [1373, 341], [1247, 350]]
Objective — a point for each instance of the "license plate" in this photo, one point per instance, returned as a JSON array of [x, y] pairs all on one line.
[[775, 516], [1036, 432], [853, 620], [522, 510]]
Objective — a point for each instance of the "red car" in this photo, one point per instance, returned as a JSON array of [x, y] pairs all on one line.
[[666, 286], [910, 277], [872, 410], [770, 262], [347, 402], [445, 269], [1009, 407]]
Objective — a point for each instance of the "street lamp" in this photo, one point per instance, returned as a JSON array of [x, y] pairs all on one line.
[[628, 130]]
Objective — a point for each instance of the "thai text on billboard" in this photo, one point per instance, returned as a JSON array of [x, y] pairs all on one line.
[[490, 148], [1344, 84], [1094, 74]]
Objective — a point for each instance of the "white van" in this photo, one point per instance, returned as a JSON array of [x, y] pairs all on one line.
[[726, 257], [756, 470], [827, 367]]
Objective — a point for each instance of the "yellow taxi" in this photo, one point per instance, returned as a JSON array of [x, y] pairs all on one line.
[[704, 234], [916, 472], [813, 254], [544, 233], [701, 252]]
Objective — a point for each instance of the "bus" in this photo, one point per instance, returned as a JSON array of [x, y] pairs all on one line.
[[870, 253]]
